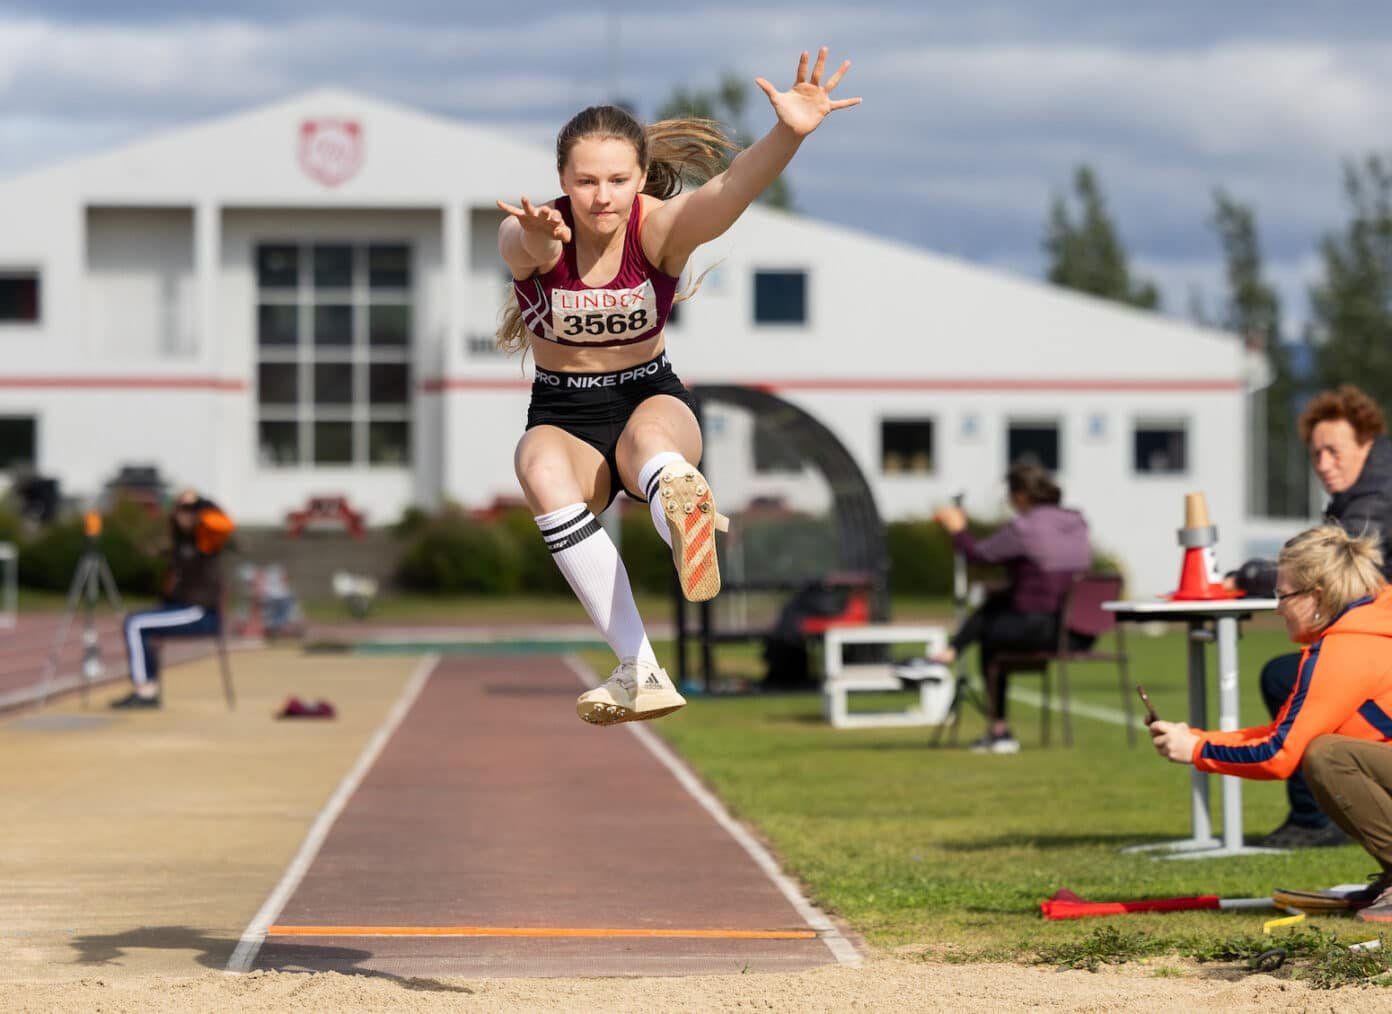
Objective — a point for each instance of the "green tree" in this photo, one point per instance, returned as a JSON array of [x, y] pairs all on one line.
[[1085, 252], [1351, 305], [1252, 310], [727, 104]]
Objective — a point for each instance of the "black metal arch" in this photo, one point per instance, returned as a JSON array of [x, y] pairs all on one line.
[[860, 532]]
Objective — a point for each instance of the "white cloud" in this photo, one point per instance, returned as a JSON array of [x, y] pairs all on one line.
[[971, 119], [1237, 99]]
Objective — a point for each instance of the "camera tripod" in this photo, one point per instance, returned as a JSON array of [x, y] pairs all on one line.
[[91, 579]]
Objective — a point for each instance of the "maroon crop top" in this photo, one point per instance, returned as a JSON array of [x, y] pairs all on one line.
[[558, 307]]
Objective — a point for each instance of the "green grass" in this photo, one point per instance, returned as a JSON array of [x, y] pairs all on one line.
[[940, 851]]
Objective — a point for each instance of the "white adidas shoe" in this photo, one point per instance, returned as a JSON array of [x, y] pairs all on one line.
[[636, 692], [692, 521]]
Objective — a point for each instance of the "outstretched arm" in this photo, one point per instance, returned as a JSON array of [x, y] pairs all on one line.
[[690, 219], [531, 237]]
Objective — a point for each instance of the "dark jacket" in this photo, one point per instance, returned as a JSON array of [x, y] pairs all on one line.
[[1042, 549], [1364, 507], [195, 566]]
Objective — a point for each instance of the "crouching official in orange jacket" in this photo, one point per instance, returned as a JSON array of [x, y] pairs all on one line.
[[1337, 722], [192, 602]]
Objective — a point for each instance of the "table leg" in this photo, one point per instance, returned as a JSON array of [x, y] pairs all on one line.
[[1228, 716], [1227, 722], [1198, 719], [1202, 842]]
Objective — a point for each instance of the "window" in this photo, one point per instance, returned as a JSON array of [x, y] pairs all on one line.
[[19, 297], [277, 266], [1037, 440], [333, 354], [389, 325], [906, 445], [482, 345], [780, 297], [18, 445], [1160, 449]]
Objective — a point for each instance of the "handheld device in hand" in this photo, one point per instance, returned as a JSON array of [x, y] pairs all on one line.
[[1150, 715]]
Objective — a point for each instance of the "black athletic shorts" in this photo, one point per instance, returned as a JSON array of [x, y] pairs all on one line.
[[597, 406]]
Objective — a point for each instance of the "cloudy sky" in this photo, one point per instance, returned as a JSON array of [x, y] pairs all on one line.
[[974, 114]]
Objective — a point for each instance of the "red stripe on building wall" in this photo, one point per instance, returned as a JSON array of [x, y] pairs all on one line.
[[435, 385], [126, 383], [1000, 384]]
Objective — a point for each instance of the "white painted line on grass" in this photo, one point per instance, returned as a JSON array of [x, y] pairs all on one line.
[[841, 948], [255, 933], [1101, 713]]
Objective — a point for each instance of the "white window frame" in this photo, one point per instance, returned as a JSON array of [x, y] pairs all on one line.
[[21, 271], [1037, 422], [359, 411], [1156, 423], [781, 325], [910, 473]]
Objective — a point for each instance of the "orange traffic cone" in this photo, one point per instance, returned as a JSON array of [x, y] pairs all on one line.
[[1198, 574]]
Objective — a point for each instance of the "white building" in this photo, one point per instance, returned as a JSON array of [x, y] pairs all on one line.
[[300, 300]]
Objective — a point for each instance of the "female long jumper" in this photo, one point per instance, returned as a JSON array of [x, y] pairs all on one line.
[[595, 276]]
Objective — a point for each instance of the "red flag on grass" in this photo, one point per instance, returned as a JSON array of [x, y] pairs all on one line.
[[1065, 904]]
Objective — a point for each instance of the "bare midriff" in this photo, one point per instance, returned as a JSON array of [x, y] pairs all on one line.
[[573, 359]]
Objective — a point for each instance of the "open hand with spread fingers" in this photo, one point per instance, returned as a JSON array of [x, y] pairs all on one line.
[[808, 102], [544, 221]]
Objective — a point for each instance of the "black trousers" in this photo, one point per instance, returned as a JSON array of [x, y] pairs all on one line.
[[999, 629], [1277, 681]]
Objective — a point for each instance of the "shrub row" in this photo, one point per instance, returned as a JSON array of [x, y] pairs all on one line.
[[129, 540], [451, 553]]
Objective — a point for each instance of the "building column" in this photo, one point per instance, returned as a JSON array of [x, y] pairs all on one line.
[[207, 242], [450, 352], [207, 351]]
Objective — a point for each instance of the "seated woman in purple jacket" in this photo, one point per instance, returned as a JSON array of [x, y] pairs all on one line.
[[1043, 547]]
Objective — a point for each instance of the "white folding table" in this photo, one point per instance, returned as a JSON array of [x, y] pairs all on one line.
[[1223, 615], [842, 678]]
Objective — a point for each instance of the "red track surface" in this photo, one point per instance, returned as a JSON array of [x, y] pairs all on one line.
[[494, 810], [24, 652]]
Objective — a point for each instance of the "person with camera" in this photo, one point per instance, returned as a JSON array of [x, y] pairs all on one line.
[[191, 605]]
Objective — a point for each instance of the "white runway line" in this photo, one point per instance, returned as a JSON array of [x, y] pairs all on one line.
[[1113, 716], [841, 948], [255, 934]]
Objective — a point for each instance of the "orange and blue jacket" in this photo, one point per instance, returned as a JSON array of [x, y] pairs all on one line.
[[1344, 687]]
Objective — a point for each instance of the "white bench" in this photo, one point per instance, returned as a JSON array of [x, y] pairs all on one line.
[[935, 683]]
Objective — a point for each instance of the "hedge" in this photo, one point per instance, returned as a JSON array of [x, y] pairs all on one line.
[[452, 553], [129, 540]]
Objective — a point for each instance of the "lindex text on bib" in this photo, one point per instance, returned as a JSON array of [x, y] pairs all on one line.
[[603, 315]]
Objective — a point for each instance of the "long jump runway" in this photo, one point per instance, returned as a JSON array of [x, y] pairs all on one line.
[[495, 834]]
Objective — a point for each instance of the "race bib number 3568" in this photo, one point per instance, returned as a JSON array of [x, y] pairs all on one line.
[[602, 316]]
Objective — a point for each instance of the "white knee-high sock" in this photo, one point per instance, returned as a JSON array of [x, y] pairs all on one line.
[[591, 565], [647, 482]]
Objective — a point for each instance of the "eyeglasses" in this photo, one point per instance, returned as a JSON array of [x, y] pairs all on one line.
[[1282, 596]]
